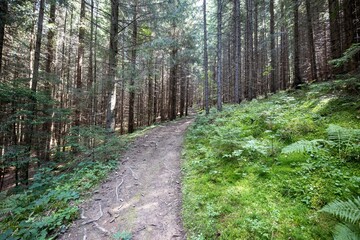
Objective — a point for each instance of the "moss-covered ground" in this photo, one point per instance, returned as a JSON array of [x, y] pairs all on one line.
[[263, 169]]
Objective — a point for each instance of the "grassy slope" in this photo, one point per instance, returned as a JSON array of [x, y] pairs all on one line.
[[239, 185]]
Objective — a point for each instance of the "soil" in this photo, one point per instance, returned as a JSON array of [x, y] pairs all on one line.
[[143, 196]]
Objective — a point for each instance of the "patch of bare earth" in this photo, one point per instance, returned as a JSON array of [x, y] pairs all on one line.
[[143, 197]]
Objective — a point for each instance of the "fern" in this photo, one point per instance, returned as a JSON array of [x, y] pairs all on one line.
[[346, 232], [6, 204], [304, 146], [341, 134], [346, 140], [346, 210], [348, 55], [349, 212]]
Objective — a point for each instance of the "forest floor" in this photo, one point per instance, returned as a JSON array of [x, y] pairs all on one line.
[[142, 198]]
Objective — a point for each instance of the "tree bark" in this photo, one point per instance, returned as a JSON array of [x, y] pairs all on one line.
[[351, 27], [297, 77], [206, 63], [237, 87], [335, 33], [150, 94], [133, 74], [173, 83], [113, 54], [3, 21], [155, 97], [255, 52], [272, 48], [284, 52], [28, 138], [163, 91], [79, 64], [219, 55], [182, 90], [50, 70], [311, 45]]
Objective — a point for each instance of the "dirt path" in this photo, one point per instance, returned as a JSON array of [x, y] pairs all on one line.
[[143, 197]]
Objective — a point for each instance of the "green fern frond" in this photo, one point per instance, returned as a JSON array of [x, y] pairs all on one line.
[[347, 55], [303, 146], [346, 210], [341, 134], [7, 204], [346, 232]]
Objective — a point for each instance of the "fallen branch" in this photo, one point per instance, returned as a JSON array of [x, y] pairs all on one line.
[[133, 174], [103, 230], [116, 215], [94, 220], [85, 236], [117, 189], [140, 229]]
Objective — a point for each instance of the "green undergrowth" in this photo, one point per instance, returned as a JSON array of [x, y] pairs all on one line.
[[45, 208], [263, 169]]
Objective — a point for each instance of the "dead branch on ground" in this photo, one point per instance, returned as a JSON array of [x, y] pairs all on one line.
[[103, 230], [133, 174]]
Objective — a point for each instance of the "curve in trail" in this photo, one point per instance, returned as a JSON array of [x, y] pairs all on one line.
[[142, 199]]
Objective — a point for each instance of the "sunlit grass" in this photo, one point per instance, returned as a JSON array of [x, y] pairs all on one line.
[[238, 184]]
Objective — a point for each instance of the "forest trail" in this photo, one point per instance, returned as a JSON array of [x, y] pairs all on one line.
[[143, 196]]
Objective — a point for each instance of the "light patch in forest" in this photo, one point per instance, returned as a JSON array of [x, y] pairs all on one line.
[[324, 102]]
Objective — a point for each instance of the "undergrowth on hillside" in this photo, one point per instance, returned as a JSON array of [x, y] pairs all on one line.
[[49, 204], [263, 169]]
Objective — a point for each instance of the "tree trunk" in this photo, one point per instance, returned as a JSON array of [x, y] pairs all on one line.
[[113, 54], [50, 70], [284, 52], [28, 138], [272, 48], [219, 55], [182, 90], [163, 91], [91, 49], [79, 64], [335, 36], [90, 81], [122, 104], [311, 45], [351, 27], [133, 74], [3, 21], [155, 97], [237, 24], [187, 97], [297, 78], [206, 64], [150, 94], [256, 52], [173, 83]]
